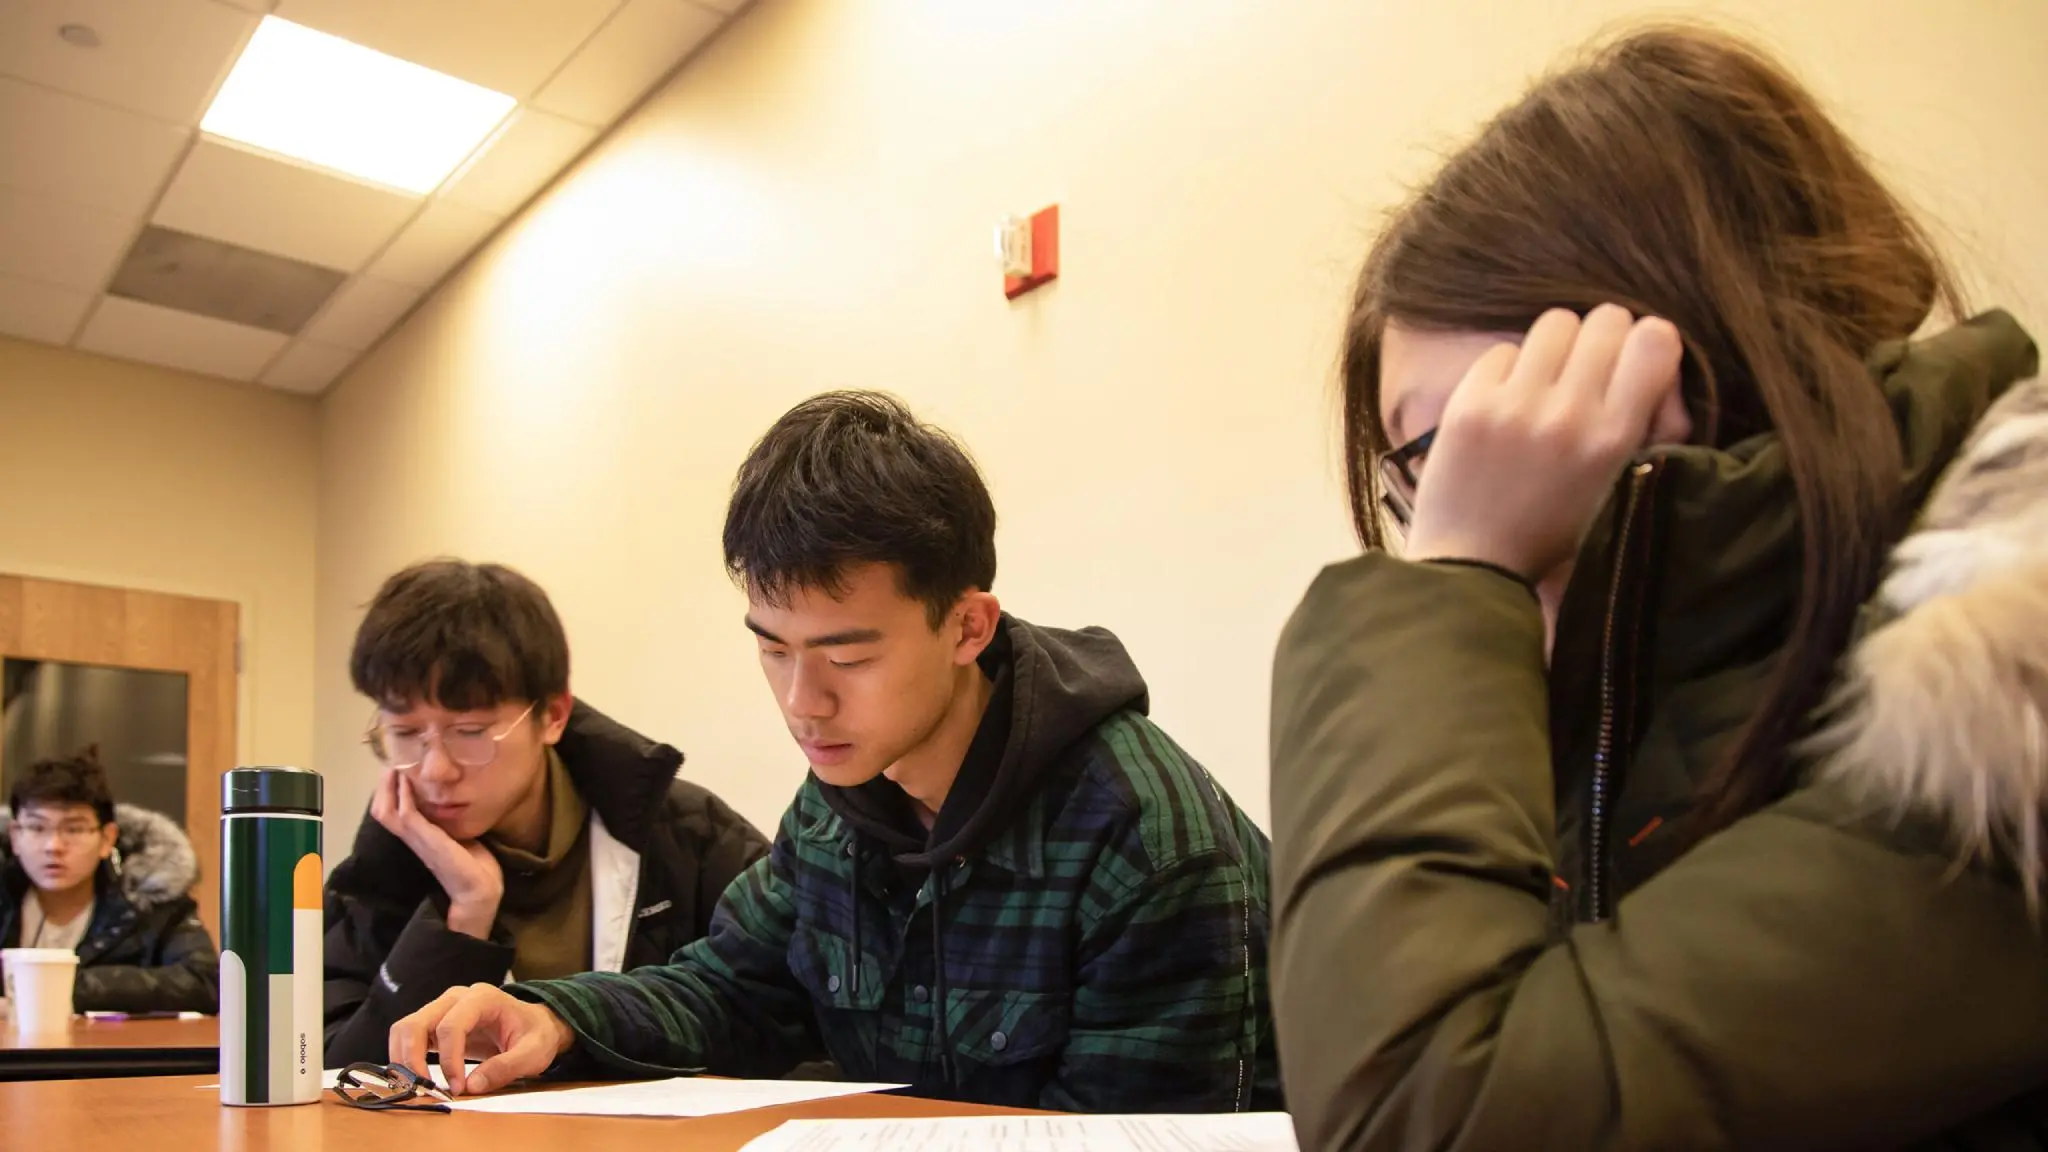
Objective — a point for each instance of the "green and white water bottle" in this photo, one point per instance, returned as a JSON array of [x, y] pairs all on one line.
[[270, 931]]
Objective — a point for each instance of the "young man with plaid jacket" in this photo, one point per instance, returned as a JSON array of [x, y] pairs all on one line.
[[1000, 883]]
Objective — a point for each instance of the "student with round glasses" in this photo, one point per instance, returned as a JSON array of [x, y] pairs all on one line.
[[515, 831], [472, 745]]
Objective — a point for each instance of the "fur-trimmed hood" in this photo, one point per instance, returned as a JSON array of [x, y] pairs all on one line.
[[153, 859], [1943, 709]]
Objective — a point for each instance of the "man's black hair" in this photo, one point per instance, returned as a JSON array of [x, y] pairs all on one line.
[[848, 478], [65, 780], [460, 636]]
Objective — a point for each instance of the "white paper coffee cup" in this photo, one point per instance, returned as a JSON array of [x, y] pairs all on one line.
[[39, 988]]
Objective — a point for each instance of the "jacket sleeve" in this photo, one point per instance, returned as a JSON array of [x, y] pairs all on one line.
[[183, 974], [726, 1003], [1167, 999], [382, 966], [1799, 980]]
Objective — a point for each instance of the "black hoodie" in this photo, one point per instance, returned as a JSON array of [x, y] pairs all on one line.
[[1068, 683]]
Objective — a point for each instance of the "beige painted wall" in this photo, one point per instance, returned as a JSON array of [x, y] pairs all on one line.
[[809, 206], [126, 475]]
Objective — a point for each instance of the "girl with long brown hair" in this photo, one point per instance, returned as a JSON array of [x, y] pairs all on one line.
[[1633, 418]]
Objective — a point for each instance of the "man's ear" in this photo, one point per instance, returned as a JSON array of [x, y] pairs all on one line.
[[110, 835], [978, 613], [554, 716]]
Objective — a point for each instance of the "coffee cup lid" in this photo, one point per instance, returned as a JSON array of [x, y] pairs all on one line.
[[38, 955]]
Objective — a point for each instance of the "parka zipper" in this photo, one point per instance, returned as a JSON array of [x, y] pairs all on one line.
[[1607, 752]]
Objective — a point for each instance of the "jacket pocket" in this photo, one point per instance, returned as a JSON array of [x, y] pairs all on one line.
[[1006, 1030], [846, 997], [827, 968]]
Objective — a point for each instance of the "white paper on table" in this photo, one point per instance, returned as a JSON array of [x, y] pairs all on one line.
[[683, 1096], [1232, 1132]]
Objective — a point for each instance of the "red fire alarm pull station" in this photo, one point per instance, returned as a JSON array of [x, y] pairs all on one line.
[[1029, 247]]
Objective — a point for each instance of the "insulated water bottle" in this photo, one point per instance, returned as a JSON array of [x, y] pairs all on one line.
[[270, 977]]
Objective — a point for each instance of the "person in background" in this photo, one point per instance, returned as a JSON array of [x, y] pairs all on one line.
[[1634, 415], [515, 831], [1000, 882], [109, 882]]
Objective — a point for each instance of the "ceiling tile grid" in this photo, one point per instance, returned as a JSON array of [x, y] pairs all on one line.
[[133, 330], [45, 312], [625, 58], [429, 247], [117, 212], [91, 154], [59, 242], [516, 163]]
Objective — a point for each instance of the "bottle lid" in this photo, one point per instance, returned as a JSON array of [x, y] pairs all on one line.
[[271, 789]]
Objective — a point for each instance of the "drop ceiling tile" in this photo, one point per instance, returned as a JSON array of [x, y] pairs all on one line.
[[75, 149], [257, 6], [58, 242], [224, 281], [158, 57], [279, 206], [309, 367], [509, 46], [725, 7], [136, 331], [43, 312], [528, 153], [433, 243], [361, 311], [628, 56]]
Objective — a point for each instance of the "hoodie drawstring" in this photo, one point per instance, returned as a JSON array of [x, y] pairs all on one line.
[[853, 910], [942, 1037]]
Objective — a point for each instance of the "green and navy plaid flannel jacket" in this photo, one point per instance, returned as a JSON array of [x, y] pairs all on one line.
[[1106, 952]]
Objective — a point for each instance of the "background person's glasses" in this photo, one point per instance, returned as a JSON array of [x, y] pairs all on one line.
[[75, 833], [1400, 472], [469, 745]]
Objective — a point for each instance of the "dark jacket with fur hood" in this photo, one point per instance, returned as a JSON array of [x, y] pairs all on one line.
[[144, 949]]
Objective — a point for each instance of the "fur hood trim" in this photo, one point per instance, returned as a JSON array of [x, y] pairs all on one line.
[[1943, 710]]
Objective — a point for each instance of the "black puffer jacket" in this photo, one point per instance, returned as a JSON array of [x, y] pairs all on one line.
[[389, 948], [144, 949]]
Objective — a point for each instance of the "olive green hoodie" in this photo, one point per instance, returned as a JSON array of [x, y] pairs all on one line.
[[1486, 935]]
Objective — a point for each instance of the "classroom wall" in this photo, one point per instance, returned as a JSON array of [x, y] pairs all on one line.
[[132, 476], [808, 206]]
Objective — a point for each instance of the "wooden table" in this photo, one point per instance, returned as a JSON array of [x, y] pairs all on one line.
[[176, 1112], [102, 1048]]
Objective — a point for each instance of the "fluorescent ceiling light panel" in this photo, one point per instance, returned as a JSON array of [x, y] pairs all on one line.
[[324, 100]]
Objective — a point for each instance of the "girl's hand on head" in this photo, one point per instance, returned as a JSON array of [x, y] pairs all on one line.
[[1534, 438]]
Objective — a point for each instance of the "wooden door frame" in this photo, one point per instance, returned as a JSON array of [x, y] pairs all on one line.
[[80, 623]]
